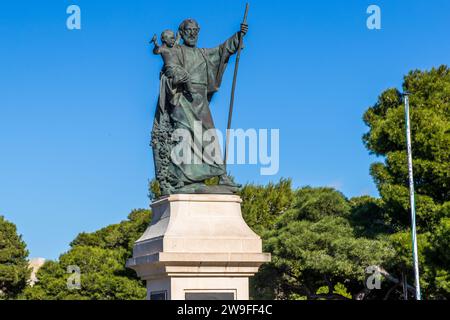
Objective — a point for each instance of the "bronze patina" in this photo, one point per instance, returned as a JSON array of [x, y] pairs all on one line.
[[188, 80]]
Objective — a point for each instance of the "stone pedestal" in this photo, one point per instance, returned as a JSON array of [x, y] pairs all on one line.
[[197, 246]]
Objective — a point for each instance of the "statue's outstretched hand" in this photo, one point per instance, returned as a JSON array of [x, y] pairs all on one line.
[[244, 28]]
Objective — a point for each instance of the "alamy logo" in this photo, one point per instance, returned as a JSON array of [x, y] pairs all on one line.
[[74, 280], [73, 22], [373, 281], [374, 20], [203, 146]]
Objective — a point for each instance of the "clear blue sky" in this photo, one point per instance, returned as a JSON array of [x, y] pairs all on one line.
[[76, 107]]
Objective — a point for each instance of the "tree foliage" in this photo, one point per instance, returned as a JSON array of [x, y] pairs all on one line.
[[430, 130], [261, 205], [316, 251], [14, 271], [100, 257]]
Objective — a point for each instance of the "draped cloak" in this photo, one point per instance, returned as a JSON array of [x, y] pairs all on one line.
[[178, 110]]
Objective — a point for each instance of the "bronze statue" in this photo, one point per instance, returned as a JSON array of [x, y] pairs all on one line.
[[188, 80]]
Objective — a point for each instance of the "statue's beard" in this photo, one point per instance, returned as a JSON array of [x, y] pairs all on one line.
[[190, 41]]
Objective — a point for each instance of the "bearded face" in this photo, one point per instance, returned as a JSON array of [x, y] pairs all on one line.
[[189, 33]]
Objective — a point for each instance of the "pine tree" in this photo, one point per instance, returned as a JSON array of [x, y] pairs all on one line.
[[14, 271]]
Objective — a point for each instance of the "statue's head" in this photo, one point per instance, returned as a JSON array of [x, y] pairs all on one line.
[[168, 37], [189, 30]]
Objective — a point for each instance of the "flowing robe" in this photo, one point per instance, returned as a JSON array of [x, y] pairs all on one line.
[[178, 110]]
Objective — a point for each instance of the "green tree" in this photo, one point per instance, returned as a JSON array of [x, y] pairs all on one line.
[[262, 205], [316, 252], [430, 129], [100, 257], [14, 271]]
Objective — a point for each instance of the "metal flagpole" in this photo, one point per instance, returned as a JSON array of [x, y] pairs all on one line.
[[412, 201]]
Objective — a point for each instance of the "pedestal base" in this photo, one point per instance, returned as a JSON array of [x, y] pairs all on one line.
[[197, 247], [198, 288]]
